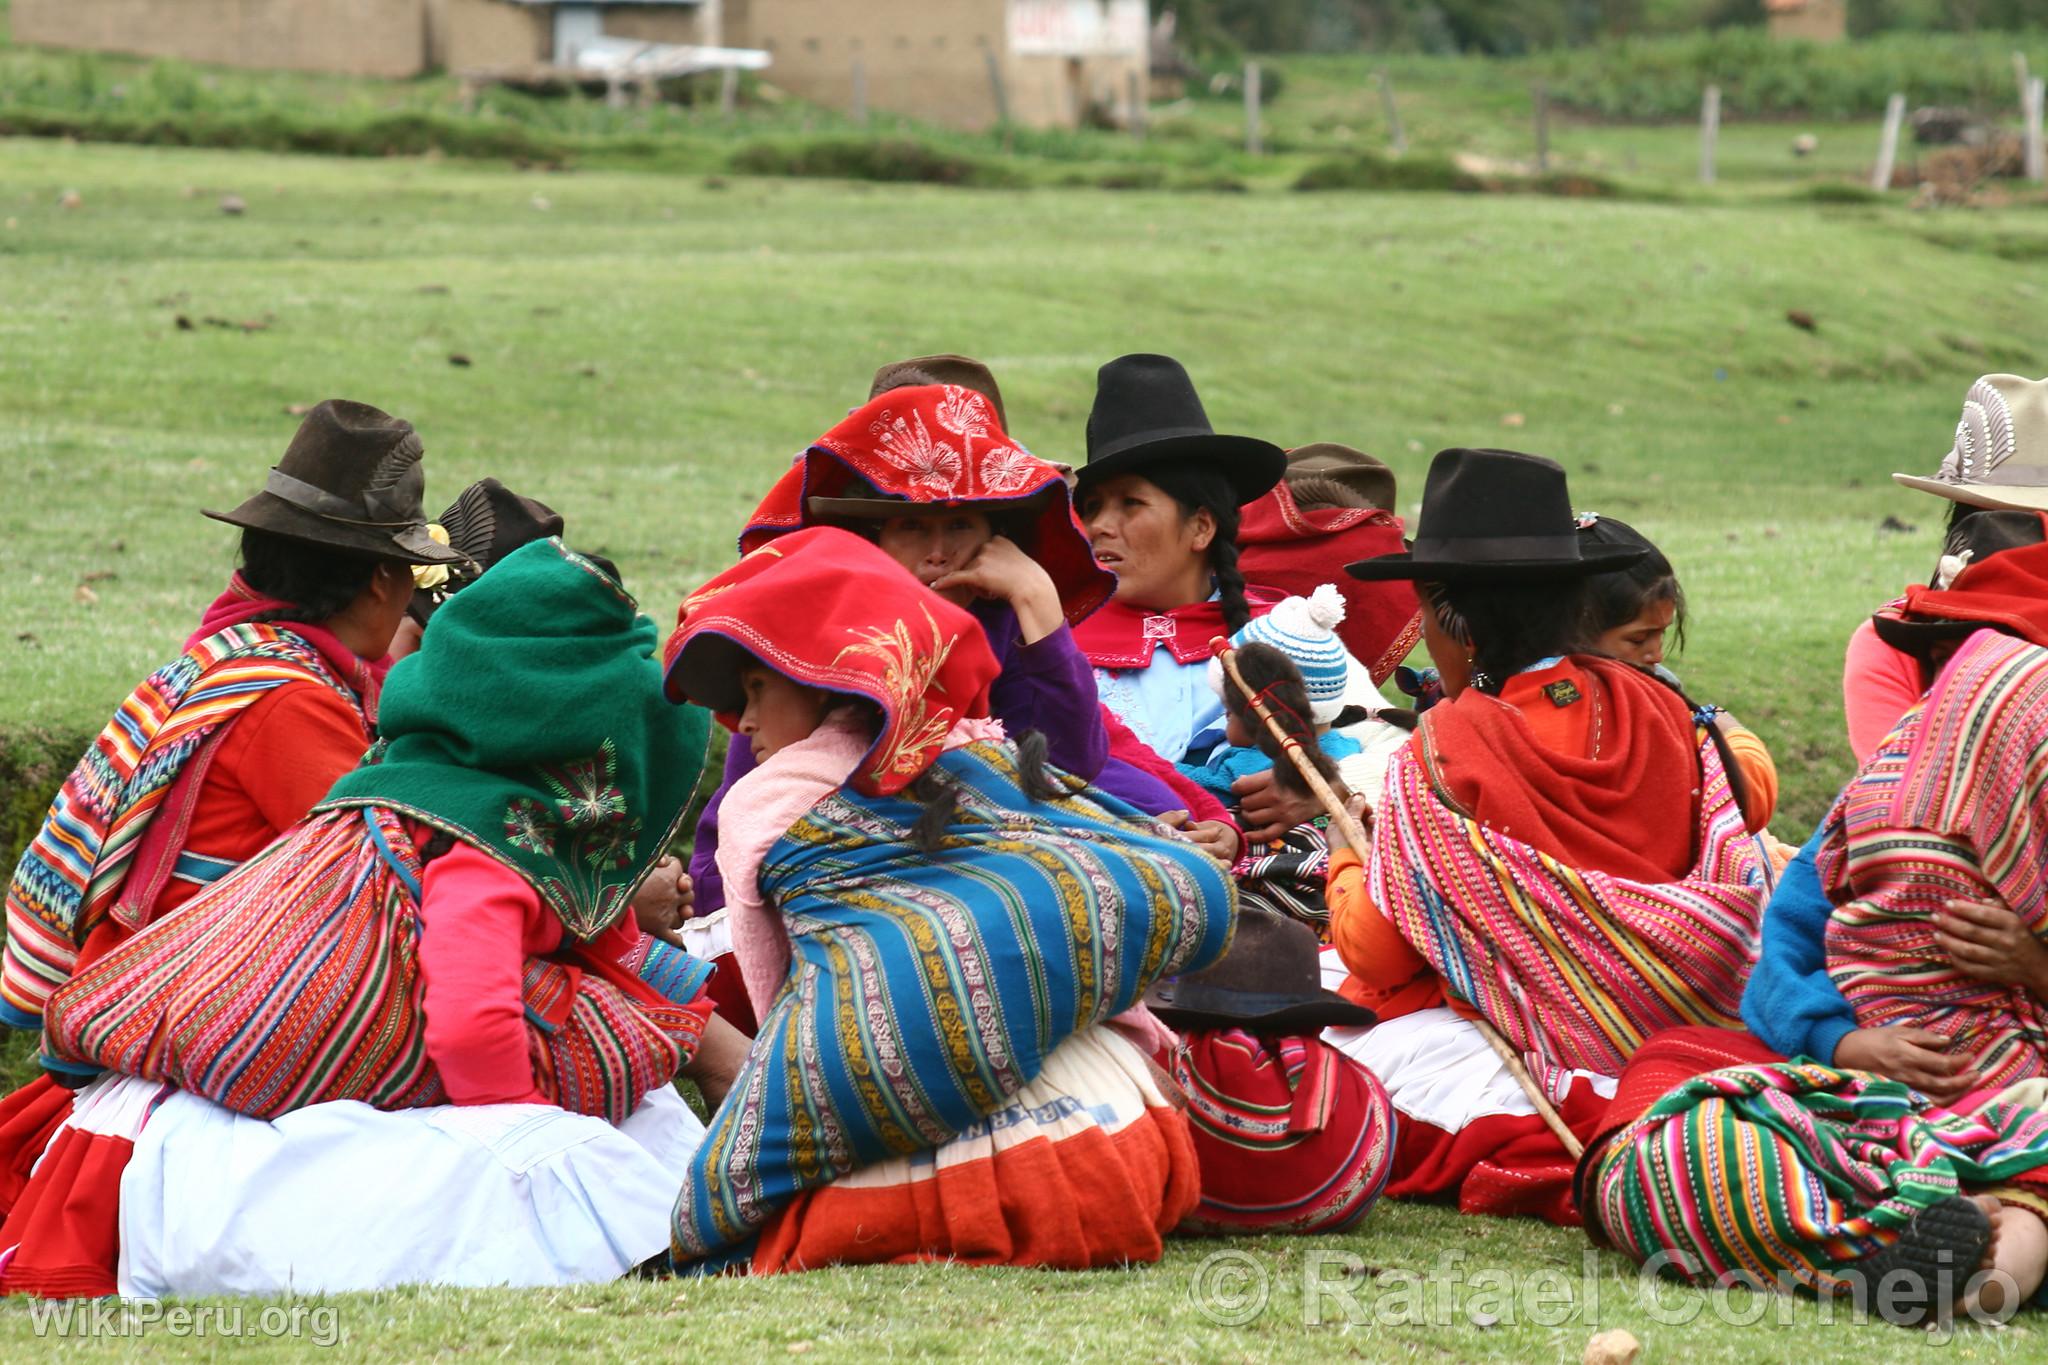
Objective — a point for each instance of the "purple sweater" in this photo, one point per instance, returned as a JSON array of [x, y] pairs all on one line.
[[1047, 686]]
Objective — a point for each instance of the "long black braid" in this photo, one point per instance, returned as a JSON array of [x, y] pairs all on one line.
[[1198, 487], [940, 794]]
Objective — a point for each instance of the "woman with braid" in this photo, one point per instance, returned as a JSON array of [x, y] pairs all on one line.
[[1160, 496]]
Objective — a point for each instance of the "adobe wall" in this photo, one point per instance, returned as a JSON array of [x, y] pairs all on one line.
[[484, 35], [360, 38], [1820, 21], [921, 59]]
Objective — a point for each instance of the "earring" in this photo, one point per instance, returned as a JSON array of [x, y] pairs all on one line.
[[1482, 680]]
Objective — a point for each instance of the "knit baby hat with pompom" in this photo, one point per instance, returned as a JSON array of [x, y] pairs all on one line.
[[1304, 629]]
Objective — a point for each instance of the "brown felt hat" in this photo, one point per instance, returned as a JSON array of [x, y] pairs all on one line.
[[959, 370], [1270, 980], [1363, 474], [486, 522], [350, 479]]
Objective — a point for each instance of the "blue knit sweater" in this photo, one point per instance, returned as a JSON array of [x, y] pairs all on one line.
[[1791, 1002]]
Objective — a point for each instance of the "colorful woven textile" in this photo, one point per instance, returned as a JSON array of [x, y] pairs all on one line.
[[296, 980], [1292, 1135], [1287, 876], [1089, 1166], [71, 875], [1573, 966], [1798, 1170], [532, 725], [1954, 803], [928, 989]]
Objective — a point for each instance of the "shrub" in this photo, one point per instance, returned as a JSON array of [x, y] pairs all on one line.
[[893, 160], [1369, 171]]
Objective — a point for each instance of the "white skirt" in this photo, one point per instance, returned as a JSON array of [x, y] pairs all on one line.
[[340, 1196]]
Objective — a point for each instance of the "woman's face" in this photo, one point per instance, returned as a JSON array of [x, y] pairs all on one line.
[[1453, 661], [1641, 641], [1160, 557], [935, 541], [778, 712]]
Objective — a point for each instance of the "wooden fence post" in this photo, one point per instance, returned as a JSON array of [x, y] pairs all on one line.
[[1710, 132], [2037, 152], [729, 91], [1134, 95], [1000, 92], [1397, 136], [1542, 129], [1888, 149], [2021, 76], [860, 92], [1254, 143]]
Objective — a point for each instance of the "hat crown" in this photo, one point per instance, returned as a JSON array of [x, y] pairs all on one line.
[[1989, 432], [1144, 397], [360, 454], [488, 521], [1495, 495], [1268, 956]]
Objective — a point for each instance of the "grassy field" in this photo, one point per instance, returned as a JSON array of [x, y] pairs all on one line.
[[646, 351]]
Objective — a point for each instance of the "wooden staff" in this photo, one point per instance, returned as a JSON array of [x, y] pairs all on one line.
[[1340, 818], [1354, 835]]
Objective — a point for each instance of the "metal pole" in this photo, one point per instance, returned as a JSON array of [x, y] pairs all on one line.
[[1888, 149], [1397, 136], [1710, 132], [1253, 142]]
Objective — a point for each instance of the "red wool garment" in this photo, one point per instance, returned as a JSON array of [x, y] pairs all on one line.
[[1295, 550]]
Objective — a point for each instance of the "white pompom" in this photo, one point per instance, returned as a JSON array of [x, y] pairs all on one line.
[[1326, 606], [1949, 568]]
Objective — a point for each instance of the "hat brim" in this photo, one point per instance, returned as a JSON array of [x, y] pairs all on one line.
[[271, 514], [1917, 638], [1997, 497], [1252, 466], [707, 672], [1195, 1004], [1591, 560], [881, 509]]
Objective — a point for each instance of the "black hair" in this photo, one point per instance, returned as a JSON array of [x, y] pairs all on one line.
[[1197, 487], [317, 581], [1511, 625], [939, 794], [1275, 679], [1617, 598]]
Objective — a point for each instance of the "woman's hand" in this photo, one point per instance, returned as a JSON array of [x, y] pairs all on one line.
[[1000, 569], [1213, 837], [1270, 810], [664, 900], [716, 1065], [1987, 941], [1913, 1056]]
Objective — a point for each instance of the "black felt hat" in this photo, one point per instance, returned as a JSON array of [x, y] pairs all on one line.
[[1496, 515], [485, 523], [1270, 981], [1147, 413], [350, 479]]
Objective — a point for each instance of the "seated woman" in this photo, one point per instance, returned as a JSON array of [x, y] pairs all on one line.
[[909, 868], [1724, 1163], [1792, 1003], [1559, 851], [460, 905], [210, 758], [1952, 809]]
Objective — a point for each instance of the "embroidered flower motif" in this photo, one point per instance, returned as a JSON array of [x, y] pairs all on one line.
[[965, 413], [585, 799], [933, 466], [529, 826], [907, 676], [1006, 469]]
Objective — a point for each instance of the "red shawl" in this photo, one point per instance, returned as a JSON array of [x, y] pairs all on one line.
[[1124, 636], [2009, 590], [1285, 547], [940, 445], [866, 627], [241, 604], [1631, 811]]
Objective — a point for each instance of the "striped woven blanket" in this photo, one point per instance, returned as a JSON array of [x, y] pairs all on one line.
[[70, 876], [1954, 804], [926, 989], [296, 981], [1575, 967]]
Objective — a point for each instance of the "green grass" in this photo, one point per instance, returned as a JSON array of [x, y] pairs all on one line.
[[647, 351], [1425, 1285]]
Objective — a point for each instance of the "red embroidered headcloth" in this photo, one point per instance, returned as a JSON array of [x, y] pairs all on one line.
[[828, 609], [941, 446]]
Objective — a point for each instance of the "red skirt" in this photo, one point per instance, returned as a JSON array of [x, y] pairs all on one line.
[[62, 1234]]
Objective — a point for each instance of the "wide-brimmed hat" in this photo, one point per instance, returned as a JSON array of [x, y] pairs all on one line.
[[959, 370], [881, 506], [1147, 413], [351, 479], [2000, 455], [1495, 514], [485, 523], [1993, 574], [1269, 981], [1366, 476]]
